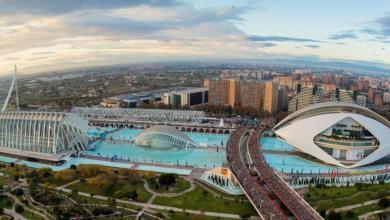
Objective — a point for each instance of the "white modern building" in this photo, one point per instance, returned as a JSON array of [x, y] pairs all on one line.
[[48, 136], [164, 137], [341, 134], [140, 114], [186, 97]]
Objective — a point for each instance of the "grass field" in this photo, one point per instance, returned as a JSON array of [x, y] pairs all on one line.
[[200, 199], [336, 197], [31, 216], [143, 195]]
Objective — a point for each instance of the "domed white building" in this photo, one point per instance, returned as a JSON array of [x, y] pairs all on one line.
[[340, 134], [164, 137]]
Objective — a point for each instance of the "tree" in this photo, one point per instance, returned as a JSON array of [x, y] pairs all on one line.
[[133, 195], [112, 203], [350, 214], [384, 202], [74, 192], [19, 208], [18, 192], [73, 167], [332, 215], [245, 215], [167, 179]]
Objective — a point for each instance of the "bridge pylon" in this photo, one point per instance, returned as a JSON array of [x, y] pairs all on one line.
[[14, 86]]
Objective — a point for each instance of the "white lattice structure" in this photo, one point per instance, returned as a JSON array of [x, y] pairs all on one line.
[[164, 137], [139, 114], [42, 135]]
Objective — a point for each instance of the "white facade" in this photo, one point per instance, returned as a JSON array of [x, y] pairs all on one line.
[[164, 137], [42, 135], [300, 129], [140, 114]]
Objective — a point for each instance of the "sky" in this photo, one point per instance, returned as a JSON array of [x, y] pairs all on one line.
[[43, 35]]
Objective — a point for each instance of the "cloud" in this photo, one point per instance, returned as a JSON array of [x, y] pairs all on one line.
[[280, 39], [344, 35], [379, 28], [384, 25], [50, 7], [267, 44], [312, 46]]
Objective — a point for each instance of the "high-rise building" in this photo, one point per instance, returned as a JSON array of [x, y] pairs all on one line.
[[339, 95], [362, 85], [224, 92], [386, 98], [283, 98], [378, 98], [260, 95], [252, 94], [305, 96], [270, 103], [315, 94], [361, 100]]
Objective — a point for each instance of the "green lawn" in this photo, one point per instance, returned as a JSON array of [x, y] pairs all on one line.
[[29, 215], [182, 215], [180, 186], [6, 202], [143, 195], [336, 197], [197, 199]]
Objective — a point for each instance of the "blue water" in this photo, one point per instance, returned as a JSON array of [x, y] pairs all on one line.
[[268, 143], [200, 157], [125, 134], [193, 157], [288, 163], [203, 139]]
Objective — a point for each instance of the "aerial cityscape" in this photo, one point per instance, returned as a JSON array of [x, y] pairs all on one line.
[[179, 109]]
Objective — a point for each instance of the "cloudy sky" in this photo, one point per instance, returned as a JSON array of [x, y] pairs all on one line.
[[41, 35]]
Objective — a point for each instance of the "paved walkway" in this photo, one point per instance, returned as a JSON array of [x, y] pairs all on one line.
[[368, 215], [17, 201], [349, 207], [14, 214]]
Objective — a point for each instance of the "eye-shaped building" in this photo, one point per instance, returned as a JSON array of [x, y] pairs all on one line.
[[341, 134]]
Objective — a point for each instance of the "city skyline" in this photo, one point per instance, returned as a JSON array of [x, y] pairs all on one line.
[[41, 36]]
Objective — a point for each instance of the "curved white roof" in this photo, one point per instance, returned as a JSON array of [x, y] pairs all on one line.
[[331, 107], [300, 131], [166, 130]]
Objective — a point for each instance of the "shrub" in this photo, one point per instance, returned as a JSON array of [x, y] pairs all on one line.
[[19, 208], [332, 215], [384, 202], [73, 167], [245, 215], [350, 214], [18, 192], [322, 212], [167, 179]]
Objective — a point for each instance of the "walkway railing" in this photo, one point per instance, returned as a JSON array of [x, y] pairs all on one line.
[[254, 189], [291, 199]]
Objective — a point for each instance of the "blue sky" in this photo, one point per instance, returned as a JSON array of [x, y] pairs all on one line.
[[41, 35]]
